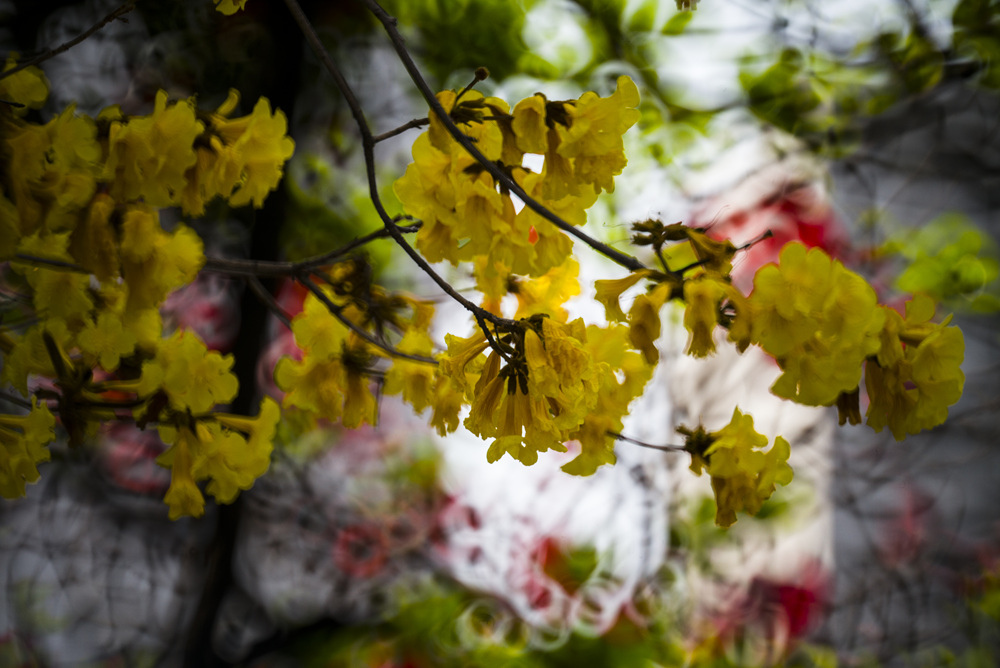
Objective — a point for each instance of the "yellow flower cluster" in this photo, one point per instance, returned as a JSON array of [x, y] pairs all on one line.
[[466, 214], [80, 226], [229, 7], [22, 447], [28, 87], [822, 321], [230, 451], [917, 372], [176, 157], [556, 382], [333, 378], [697, 272], [743, 474], [818, 319]]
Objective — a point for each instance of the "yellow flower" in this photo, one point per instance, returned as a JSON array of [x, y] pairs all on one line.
[[562, 371], [149, 155], [317, 331], [622, 376], [107, 340], [95, 240], [819, 320], [52, 171], [910, 389], [229, 7], [183, 497], [529, 125], [314, 385], [22, 447], [28, 87], [548, 293], [523, 429], [447, 399], [489, 391], [154, 262], [609, 293], [359, 402], [193, 377], [743, 475], [413, 380], [593, 137], [461, 352], [644, 321], [253, 153], [29, 356], [702, 296]]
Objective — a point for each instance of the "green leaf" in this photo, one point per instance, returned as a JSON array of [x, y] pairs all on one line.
[[643, 19], [677, 24]]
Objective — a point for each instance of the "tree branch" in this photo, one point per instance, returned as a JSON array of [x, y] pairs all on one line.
[[62, 48], [389, 23]]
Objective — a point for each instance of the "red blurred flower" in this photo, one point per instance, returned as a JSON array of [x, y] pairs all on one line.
[[361, 550], [792, 211]]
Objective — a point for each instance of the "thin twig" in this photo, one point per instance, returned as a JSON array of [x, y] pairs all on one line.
[[268, 299], [48, 262], [389, 23], [409, 125], [663, 448], [62, 48], [276, 269]]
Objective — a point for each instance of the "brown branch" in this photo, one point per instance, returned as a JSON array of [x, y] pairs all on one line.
[[47, 262], [268, 299], [266, 268], [368, 144], [62, 48], [642, 444], [409, 125]]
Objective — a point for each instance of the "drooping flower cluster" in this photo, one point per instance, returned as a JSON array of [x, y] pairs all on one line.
[[230, 451], [553, 383], [696, 271], [743, 473], [467, 214]]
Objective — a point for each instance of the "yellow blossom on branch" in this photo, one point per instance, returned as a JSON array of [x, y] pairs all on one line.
[[147, 156], [192, 377], [229, 7], [230, 451], [22, 447], [250, 157], [818, 319], [911, 386], [743, 474], [29, 87]]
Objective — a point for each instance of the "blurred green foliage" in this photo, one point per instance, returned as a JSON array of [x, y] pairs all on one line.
[[459, 35], [951, 260]]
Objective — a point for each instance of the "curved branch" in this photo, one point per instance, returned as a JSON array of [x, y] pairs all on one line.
[[368, 143], [389, 23], [118, 13], [262, 268], [336, 311]]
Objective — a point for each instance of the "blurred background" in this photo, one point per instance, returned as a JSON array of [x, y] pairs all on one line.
[[869, 129]]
